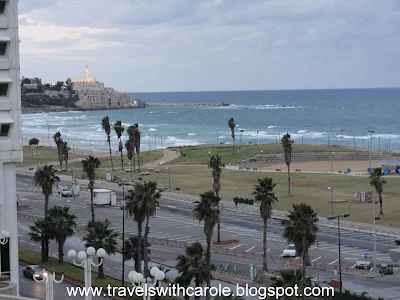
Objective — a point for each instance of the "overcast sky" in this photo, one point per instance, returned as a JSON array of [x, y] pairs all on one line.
[[186, 45]]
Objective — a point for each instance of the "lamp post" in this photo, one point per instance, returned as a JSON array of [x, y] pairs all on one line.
[[341, 137], [169, 178], [335, 130], [48, 135], [260, 160], [138, 280], [370, 147], [37, 159], [340, 263], [123, 231], [86, 258], [373, 205], [257, 137], [217, 137], [49, 280], [332, 161], [4, 238], [331, 189]]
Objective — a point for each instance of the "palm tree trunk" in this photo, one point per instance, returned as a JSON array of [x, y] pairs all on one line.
[[45, 249], [122, 158], [380, 203], [60, 252], [234, 146], [208, 261], [109, 147], [288, 174], [138, 266], [91, 204], [66, 165], [101, 269], [138, 160], [146, 257], [304, 272], [219, 221], [46, 205], [134, 162], [308, 263], [265, 266]]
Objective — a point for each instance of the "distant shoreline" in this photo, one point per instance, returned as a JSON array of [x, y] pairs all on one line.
[[29, 110]]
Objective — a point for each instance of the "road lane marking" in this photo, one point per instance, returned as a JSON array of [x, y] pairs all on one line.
[[22, 241], [171, 206], [250, 249], [268, 250], [372, 269], [32, 244], [316, 259], [353, 266], [333, 262], [234, 247]]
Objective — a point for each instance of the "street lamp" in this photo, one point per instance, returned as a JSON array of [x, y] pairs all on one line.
[[331, 161], [217, 136], [341, 137], [340, 263], [331, 189], [87, 262], [335, 130], [4, 238], [123, 230], [138, 280], [260, 160], [37, 159], [370, 147], [373, 205], [257, 137], [49, 279]]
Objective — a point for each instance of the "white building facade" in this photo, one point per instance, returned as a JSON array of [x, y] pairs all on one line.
[[10, 127], [93, 94]]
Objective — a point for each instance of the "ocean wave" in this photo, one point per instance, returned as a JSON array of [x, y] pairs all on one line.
[[269, 127], [173, 141], [153, 129], [266, 106], [192, 134], [301, 131]]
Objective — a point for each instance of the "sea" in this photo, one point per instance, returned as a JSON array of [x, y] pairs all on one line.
[[340, 117]]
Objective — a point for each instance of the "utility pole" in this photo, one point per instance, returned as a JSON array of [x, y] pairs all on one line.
[[370, 147]]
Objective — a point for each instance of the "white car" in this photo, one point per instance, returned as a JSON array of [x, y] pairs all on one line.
[[289, 251], [364, 263], [64, 191]]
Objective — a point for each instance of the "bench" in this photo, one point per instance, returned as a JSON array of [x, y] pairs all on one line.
[[156, 171], [298, 170], [150, 169], [278, 170], [144, 174]]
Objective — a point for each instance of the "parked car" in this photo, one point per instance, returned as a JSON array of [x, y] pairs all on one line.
[[363, 263], [289, 251], [64, 191], [397, 240], [33, 271]]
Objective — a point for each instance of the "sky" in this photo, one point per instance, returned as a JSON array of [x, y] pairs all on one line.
[[185, 45]]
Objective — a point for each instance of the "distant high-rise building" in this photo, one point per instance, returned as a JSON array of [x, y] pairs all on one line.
[[10, 127]]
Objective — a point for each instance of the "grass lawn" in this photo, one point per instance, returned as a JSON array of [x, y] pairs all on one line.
[[70, 270], [145, 157], [199, 154], [45, 155], [307, 188]]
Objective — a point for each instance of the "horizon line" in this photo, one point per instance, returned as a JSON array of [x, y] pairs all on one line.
[[271, 90]]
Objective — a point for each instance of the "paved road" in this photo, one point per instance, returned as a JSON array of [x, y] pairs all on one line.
[[32, 289], [174, 222]]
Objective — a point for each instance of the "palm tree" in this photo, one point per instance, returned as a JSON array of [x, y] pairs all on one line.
[[138, 135], [62, 224], [264, 193], [149, 194], [129, 152], [42, 232], [232, 125], [290, 278], [59, 142], [135, 208], [65, 151], [131, 148], [90, 165], [216, 165], [119, 129], [99, 236], [193, 266], [206, 210], [377, 181], [131, 249], [287, 148], [105, 123], [300, 228], [46, 178]]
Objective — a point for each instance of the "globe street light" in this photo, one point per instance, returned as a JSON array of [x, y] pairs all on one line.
[[340, 263], [49, 280], [123, 230], [4, 238], [87, 262], [138, 280]]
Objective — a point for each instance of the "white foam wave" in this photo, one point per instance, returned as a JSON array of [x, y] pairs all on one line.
[[153, 129], [269, 127], [173, 141], [301, 131], [192, 134]]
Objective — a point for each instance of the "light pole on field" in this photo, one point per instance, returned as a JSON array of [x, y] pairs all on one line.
[[370, 147], [169, 178], [138, 280], [123, 183], [340, 263], [49, 280]]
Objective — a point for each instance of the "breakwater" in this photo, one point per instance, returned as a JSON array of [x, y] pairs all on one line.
[[185, 104]]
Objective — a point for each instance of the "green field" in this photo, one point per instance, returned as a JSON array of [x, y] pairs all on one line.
[[199, 154], [45, 155], [307, 188], [70, 270]]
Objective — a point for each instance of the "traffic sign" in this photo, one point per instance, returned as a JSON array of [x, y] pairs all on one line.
[[366, 255]]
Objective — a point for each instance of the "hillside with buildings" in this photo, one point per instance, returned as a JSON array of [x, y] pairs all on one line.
[[74, 93]]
